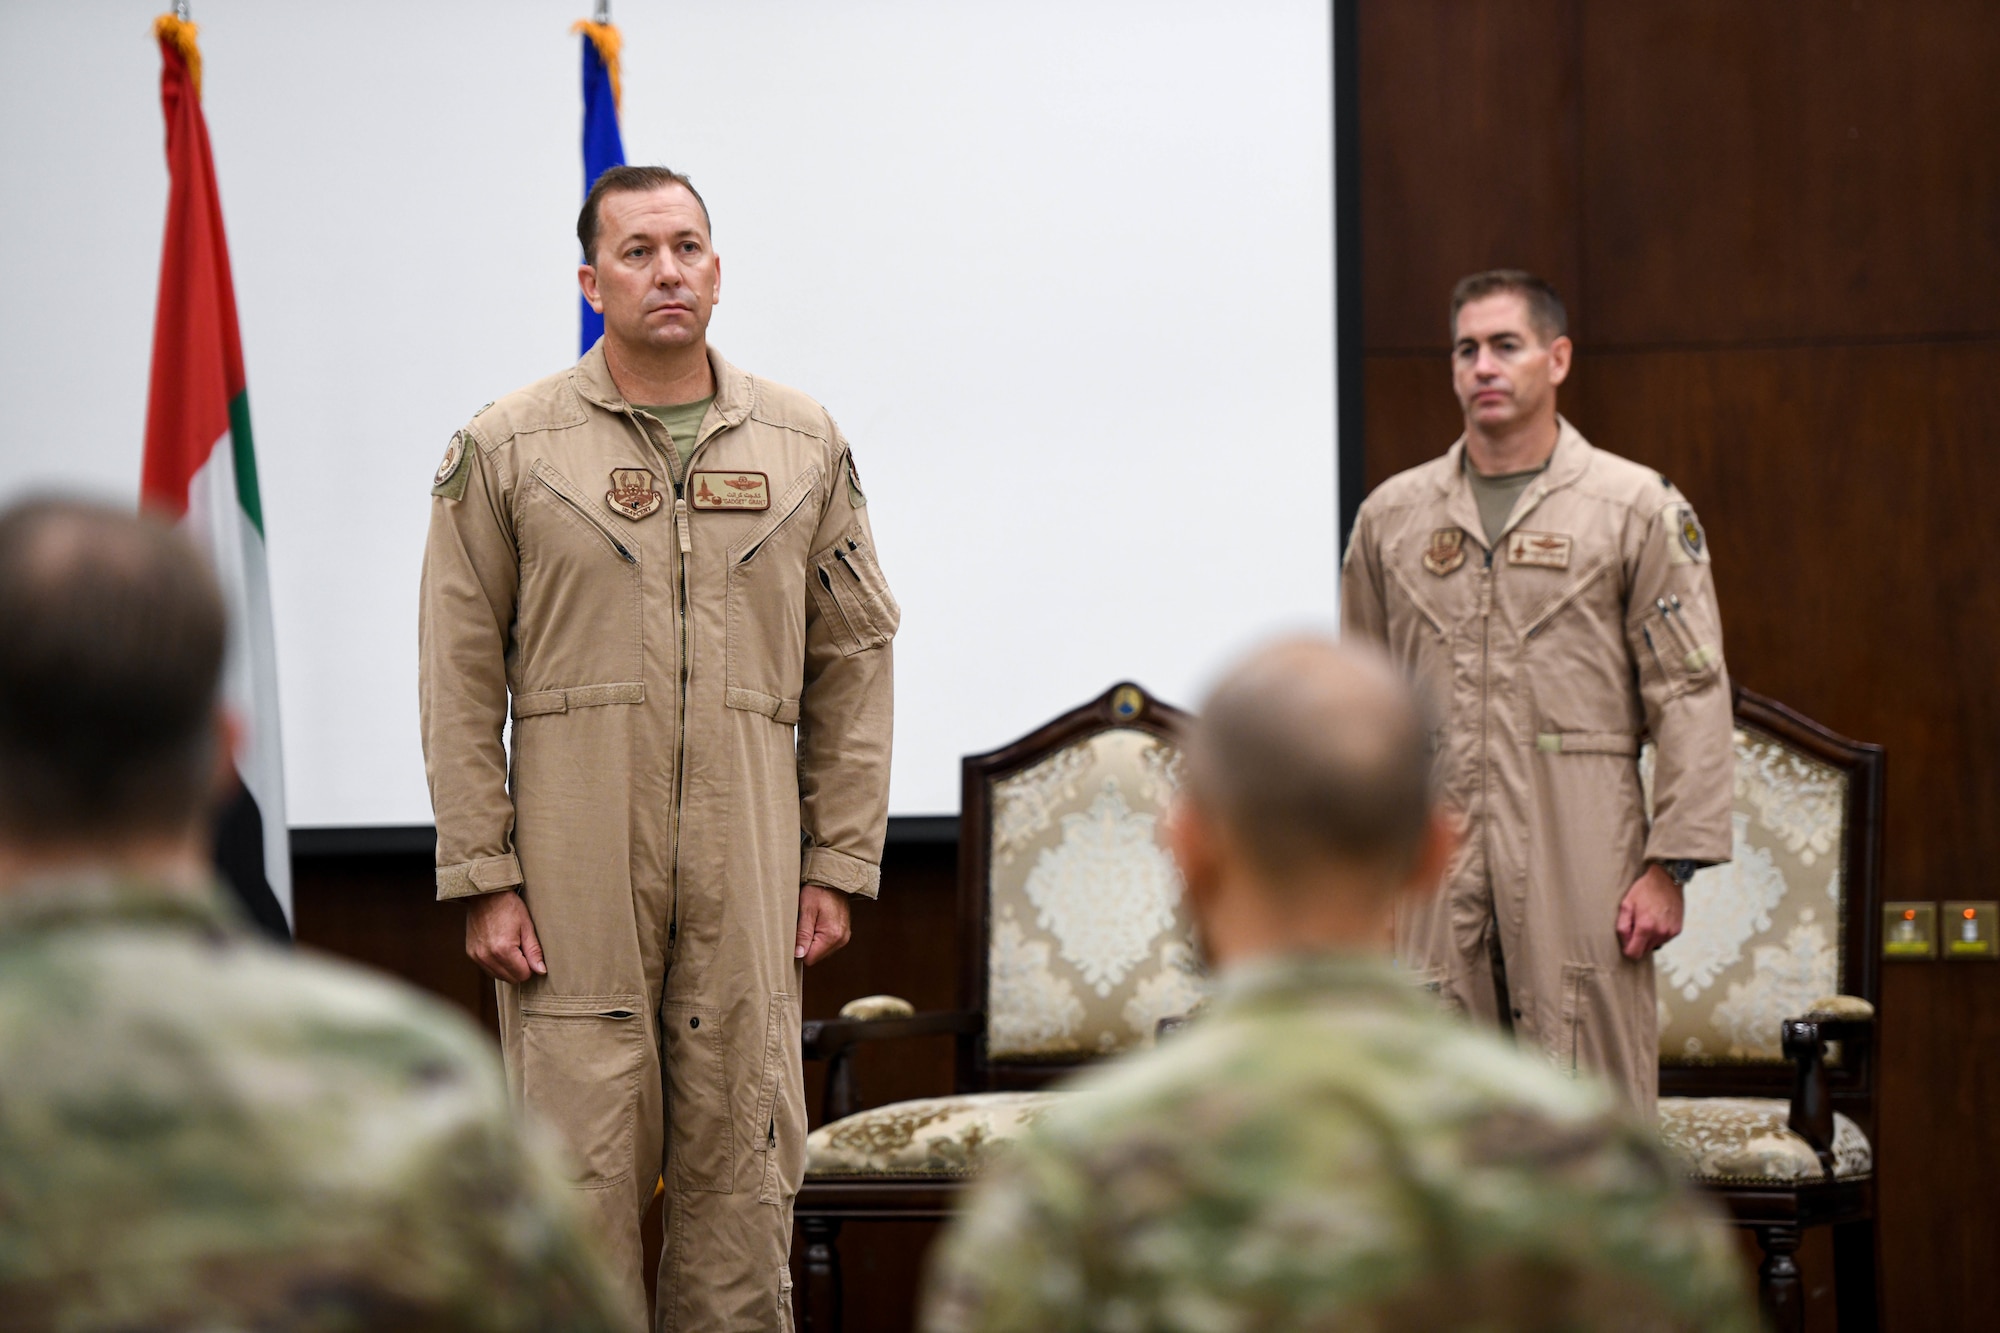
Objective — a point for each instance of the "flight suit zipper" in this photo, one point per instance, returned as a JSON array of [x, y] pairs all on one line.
[[1486, 577], [678, 473]]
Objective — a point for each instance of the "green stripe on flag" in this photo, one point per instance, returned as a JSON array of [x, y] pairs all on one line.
[[246, 460]]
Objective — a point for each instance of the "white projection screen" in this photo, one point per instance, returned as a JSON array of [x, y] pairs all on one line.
[[1063, 271]]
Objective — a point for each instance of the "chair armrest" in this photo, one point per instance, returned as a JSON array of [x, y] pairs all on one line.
[[1804, 1040], [833, 1040], [825, 1038]]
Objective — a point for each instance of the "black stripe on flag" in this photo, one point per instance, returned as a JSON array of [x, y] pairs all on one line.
[[239, 859]]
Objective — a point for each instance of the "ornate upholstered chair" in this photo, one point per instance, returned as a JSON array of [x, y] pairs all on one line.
[[1767, 1003], [1073, 946]]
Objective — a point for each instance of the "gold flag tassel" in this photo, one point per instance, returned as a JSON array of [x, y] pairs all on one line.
[[604, 36], [173, 28]]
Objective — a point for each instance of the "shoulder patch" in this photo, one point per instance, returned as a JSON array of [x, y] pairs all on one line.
[[1687, 542], [452, 474], [855, 496]]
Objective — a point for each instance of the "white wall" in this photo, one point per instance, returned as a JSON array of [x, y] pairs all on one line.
[[1062, 271]]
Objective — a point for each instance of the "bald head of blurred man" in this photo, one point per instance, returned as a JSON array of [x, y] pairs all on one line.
[[1308, 807]]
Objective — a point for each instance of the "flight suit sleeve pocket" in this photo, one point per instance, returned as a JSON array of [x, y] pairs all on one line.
[[1677, 647], [581, 1060], [703, 1150], [852, 596], [781, 1116]]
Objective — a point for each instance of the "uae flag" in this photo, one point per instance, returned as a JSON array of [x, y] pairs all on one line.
[[200, 470]]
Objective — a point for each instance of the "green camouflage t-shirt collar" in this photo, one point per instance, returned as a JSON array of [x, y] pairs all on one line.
[[61, 901], [1290, 979]]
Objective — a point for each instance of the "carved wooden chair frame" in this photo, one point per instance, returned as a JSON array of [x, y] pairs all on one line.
[[1778, 1214], [825, 1205]]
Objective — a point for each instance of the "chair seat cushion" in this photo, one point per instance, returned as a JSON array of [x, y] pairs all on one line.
[[931, 1136], [1745, 1141]]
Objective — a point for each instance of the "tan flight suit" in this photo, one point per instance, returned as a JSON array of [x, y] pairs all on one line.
[[699, 665], [1589, 626]]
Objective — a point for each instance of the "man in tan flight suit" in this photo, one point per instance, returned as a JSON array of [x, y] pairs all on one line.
[[1557, 602], [666, 564]]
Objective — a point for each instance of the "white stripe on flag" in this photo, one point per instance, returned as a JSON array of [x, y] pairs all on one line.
[[216, 522]]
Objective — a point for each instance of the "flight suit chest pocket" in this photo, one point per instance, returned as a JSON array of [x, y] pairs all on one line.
[[577, 568], [766, 613], [702, 1139], [581, 1060], [852, 596]]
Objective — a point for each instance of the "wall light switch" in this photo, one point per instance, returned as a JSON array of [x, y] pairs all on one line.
[[1969, 930], [1909, 930]]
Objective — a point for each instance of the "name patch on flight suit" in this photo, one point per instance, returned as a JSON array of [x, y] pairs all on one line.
[[632, 492], [1446, 551], [730, 490], [1550, 550]]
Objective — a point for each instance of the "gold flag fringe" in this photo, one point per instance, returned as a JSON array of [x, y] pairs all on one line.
[[182, 34], [604, 36]]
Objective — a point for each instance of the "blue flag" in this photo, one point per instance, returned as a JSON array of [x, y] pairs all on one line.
[[603, 147]]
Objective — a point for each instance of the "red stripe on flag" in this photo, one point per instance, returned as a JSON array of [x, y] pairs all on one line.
[[197, 357]]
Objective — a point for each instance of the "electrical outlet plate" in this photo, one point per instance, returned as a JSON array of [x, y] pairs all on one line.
[[1909, 930], [1969, 930]]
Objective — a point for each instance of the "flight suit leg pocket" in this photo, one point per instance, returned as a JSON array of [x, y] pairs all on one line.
[[781, 1119], [582, 1058], [701, 1137], [1568, 1041]]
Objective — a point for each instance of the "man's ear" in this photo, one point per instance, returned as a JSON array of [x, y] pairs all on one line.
[[1444, 833], [1192, 841], [1559, 356], [586, 278]]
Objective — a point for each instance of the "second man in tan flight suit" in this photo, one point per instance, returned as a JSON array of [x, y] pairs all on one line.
[[1557, 602], [663, 567]]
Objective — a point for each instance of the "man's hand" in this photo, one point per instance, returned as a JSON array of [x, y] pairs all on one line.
[[822, 922], [500, 937], [1650, 914]]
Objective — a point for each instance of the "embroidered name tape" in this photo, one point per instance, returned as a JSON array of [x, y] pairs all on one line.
[[730, 490], [1550, 550]]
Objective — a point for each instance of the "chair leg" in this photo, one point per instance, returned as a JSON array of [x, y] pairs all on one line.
[[1778, 1286], [822, 1303], [1854, 1277]]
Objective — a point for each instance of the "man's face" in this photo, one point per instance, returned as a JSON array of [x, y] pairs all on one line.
[[656, 278], [1501, 369]]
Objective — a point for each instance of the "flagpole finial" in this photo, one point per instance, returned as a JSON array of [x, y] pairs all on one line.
[[181, 10], [603, 12]]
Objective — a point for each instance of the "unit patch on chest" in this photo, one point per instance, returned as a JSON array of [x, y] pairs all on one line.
[[632, 492], [730, 490], [1446, 551], [1550, 550]]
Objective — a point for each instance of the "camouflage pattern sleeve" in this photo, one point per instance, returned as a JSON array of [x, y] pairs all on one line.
[[200, 1132], [1367, 1168]]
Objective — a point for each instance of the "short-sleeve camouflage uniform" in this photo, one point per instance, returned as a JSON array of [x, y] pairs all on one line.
[[1323, 1150], [200, 1131]]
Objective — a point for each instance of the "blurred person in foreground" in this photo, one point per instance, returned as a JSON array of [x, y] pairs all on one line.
[[199, 1130], [1323, 1148]]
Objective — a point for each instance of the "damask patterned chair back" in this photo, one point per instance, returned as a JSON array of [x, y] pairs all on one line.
[[1083, 945], [1790, 921]]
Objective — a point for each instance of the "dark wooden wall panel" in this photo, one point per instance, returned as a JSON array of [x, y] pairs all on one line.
[[1781, 170], [1778, 245], [1468, 149]]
